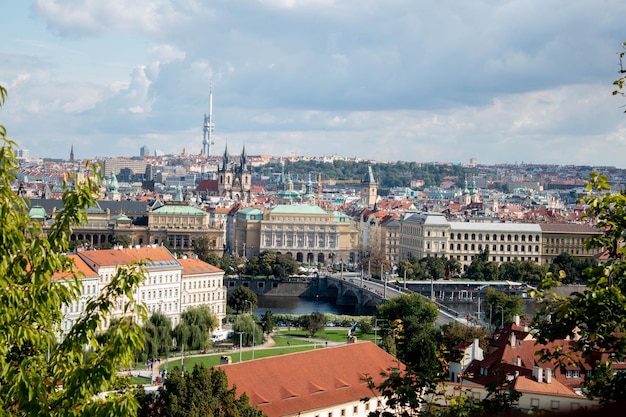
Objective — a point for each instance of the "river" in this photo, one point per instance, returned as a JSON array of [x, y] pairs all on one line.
[[298, 305]]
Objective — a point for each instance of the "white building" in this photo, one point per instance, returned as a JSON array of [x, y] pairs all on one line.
[[203, 284]]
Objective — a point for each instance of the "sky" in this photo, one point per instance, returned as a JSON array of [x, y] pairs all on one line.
[[502, 81]]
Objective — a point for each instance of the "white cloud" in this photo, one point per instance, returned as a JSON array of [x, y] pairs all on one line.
[[495, 80]]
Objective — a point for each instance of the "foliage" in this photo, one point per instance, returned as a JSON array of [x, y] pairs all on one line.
[[619, 83], [414, 330], [268, 322], [246, 323], [481, 269], [398, 174], [241, 298], [313, 322], [122, 240], [157, 332], [271, 264], [429, 267], [502, 307], [408, 393], [195, 328], [604, 299], [41, 375], [522, 271], [455, 333], [200, 393], [572, 267]]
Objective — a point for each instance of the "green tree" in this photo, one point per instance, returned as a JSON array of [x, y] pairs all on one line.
[[158, 329], [195, 328], [481, 269], [241, 298], [313, 322], [502, 308], [268, 322], [199, 393], [604, 299], [413, 331], [455, 333], [246, 323], [571, 266], [40, 374], [523, 271]]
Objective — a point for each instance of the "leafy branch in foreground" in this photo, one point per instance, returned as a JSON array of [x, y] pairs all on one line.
[[43, 373]]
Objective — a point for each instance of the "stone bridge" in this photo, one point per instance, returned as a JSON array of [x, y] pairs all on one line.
[[367, 294]]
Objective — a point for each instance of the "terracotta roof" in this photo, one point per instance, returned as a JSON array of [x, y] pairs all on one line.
[[80, 269], [196, 266], [153, 256], [298, 382]]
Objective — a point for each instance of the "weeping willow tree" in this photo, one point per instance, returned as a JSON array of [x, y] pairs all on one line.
[[195, 328]]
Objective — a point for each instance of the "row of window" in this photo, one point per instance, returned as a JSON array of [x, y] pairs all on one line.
[[201, 284], [494, 237], [494, 248]]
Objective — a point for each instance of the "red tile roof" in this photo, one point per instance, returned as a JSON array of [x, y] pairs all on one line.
[[322, 378], [125, 256], [80, 269], [196, 266]]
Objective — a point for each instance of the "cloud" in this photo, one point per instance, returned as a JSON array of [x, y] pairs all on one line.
[[496, 80]]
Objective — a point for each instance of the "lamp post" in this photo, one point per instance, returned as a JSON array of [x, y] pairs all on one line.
[[376, 329], [240, 343], [253, 327]]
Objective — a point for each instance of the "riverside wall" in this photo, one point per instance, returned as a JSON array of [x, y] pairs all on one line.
[[287, 287]]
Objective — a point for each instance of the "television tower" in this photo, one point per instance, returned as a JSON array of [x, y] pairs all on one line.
[[208, 125]]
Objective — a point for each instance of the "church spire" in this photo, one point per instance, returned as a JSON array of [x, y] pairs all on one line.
[[72, 153]]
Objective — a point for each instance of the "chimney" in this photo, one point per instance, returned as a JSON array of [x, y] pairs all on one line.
[[517, 319], [512, 339], [540, 375], [548, 373]]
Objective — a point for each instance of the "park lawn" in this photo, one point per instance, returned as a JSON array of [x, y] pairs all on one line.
[[212, 360], [338, 335]]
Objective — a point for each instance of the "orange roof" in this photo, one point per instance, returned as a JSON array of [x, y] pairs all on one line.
[[528, 385], [196, 266], [152, 256], [79, 269], [322, 378]]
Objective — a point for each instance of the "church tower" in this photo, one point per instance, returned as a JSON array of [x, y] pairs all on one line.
[[235, 180], [369, 189]]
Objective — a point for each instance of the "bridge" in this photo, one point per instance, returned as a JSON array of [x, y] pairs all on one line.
[[351, 289]]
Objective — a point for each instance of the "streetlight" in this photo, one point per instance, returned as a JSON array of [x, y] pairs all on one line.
[[376, 328], [240, 343], [253, 327]]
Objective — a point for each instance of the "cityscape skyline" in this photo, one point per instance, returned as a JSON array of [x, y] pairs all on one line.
[[512, 82]]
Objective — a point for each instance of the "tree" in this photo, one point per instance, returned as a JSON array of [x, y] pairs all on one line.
[[195, 328], [313, 322], [241, 298], [41, 373], [455, 333], [158, 334], [502, 308], [481, 269], [246, 323], [268, 322], [604, 299], [200, 393], [413, 331]]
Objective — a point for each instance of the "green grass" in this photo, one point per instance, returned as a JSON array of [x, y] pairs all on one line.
[[338, 335], [212, 360]]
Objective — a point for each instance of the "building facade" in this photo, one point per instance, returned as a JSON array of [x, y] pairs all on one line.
[[307, 233], [425, 234]]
